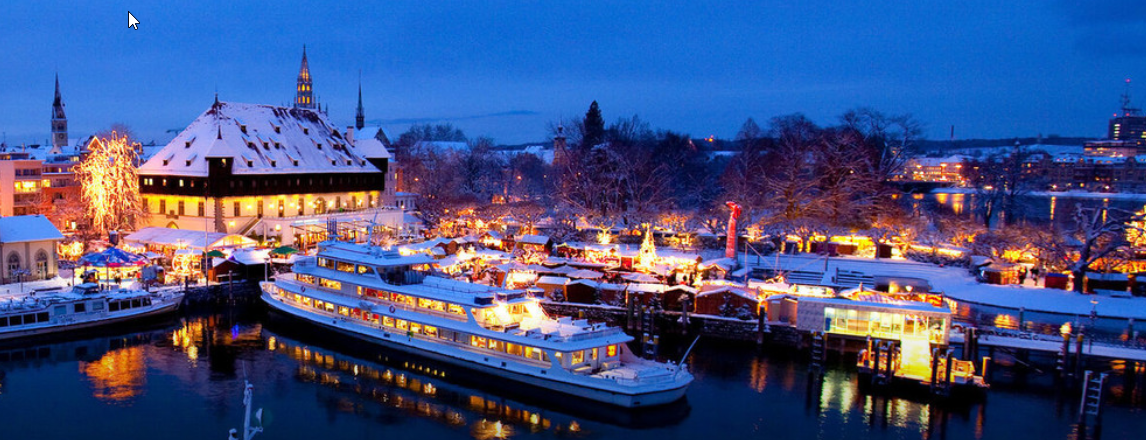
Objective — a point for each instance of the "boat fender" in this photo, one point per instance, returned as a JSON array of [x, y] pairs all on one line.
[[392, 309]]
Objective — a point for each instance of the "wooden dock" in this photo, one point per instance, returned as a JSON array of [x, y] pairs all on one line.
[[1044, 343]]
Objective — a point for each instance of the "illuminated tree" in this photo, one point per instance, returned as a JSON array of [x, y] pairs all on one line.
[[109, 185]]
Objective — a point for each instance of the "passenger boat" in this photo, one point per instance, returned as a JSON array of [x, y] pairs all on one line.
[[383, 297], [85, 306]]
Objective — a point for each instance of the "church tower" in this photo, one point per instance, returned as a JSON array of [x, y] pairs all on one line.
[[59, 121], [360, 115], [304, 98]]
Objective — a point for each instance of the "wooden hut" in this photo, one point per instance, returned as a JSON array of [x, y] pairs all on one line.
[[551, 285], [726, 301]]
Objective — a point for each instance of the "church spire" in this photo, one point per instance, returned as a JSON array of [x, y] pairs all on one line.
[[360, 115], [59, 120], [304, 97]]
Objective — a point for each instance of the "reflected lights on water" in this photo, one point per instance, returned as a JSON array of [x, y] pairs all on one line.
[[118, 376]]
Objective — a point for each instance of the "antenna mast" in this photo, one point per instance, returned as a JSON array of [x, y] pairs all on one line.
[[1127, 110]]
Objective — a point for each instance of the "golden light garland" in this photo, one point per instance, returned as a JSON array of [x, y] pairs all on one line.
[[109, 185]]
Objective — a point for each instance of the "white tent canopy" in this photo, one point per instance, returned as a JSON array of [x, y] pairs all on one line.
[[188, 239]]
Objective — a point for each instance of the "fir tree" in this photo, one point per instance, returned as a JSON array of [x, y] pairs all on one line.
[[594, 127]]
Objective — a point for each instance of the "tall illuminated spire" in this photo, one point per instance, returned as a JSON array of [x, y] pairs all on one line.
[[304, 98], [59, 120]]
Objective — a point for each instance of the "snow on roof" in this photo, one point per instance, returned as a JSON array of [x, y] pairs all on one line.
[[561, 281], [738, 291], [905, 305], [262, 139], [186, 238], [533, 239], [23, 228], [248, 257]]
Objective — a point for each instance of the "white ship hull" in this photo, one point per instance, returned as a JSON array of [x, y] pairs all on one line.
[[91, 320], [555, 379]]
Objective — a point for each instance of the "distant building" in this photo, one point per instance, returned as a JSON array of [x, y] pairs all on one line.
[[304, 93], [28, 248], [933, 169], [1130, 128]]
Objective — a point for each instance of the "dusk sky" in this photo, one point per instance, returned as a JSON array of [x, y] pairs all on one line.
[[505, 69]]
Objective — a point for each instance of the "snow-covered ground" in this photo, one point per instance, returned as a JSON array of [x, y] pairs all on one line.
[[7, 290], [958, 284]]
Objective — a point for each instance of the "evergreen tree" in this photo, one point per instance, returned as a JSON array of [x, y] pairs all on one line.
[[594, 130]]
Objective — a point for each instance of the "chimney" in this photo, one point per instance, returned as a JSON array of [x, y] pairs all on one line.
[[350, 135]]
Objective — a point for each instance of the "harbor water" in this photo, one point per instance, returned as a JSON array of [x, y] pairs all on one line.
[[182, 378]]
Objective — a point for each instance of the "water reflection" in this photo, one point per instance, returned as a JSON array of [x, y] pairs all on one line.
[[184, 380], [418, 390], [118, 376]]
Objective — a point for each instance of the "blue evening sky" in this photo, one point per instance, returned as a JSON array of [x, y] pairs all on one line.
[[506, 68]]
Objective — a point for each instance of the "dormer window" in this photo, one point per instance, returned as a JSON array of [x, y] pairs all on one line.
[[266, 146], [188, 163], [295, 162], [319, 146], [278, 129], [273, 163], [165, 162], [187, 144], [333, 162], [348, 162], [305, 130], [243, 128], [250, 163], [278, 146]]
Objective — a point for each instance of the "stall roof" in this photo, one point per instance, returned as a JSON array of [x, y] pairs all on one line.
[[559, 281], [188, 239]]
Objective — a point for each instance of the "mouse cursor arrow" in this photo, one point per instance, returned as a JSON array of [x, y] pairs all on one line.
[[132, 22]]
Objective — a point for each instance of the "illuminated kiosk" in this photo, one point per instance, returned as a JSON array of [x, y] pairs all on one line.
[[386, 298], [906, 340]]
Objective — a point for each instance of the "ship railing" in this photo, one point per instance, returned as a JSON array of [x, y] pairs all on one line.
[[659, 377]]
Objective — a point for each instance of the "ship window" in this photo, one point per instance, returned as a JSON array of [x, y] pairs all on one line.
[[457, 310], [113, 306], [496, 345], [513, 349], [477, 341], [415, 328], [611, 351], [402, 324], [329, 307], [578, 357], [146, 301], [42, 317], [430, 330], [594, 354], [15, 320], [344, 311], [345, 267], [136, 303], [3, 322], [60, 310], [317, 304], [365, 270], [79, 307], [387, 321]]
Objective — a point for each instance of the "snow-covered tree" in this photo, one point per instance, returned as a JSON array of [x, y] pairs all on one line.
[[1101, 234]]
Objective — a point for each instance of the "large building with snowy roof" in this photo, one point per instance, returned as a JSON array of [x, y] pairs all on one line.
[[267, 170]]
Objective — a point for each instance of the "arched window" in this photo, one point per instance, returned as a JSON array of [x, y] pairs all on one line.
[[41, 264], [320, 206], [13, 263]]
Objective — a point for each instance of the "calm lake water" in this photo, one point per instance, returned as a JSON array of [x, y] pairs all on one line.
[[183, 378], [1035, 210]]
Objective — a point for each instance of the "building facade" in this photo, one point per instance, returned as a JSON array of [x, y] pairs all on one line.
[[265, 170], [28, 248]]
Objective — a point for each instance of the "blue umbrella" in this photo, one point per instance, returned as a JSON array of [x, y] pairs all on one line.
[[113, 257]]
